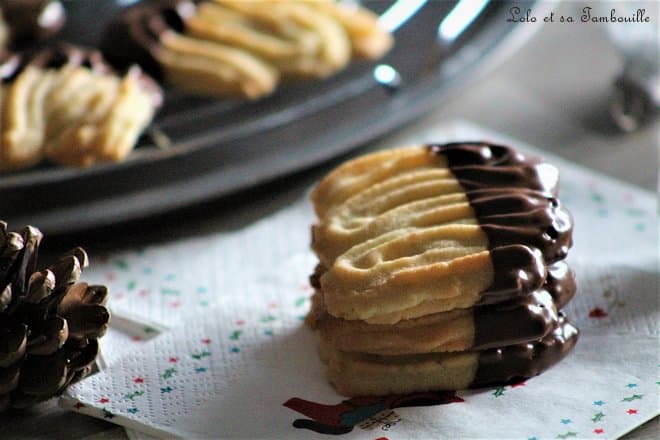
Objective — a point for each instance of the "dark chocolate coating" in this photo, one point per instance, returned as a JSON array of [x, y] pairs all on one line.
[[134, 35], [31, 21], [482, 165], [514, 322], [57, 55], [526, 318], [524, 216], [53, 57], [513, 363], [518, 269], [513, 196], [560, 283]]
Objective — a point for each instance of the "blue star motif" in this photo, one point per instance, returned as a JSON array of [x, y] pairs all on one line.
[[532, 438], [268, 332], [599, 403], [565, 421], [132, 410], [235, 350], [631, 385], [200, 369], [166, 390]]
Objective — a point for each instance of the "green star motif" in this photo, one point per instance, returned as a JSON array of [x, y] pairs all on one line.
[[133, 395], [498, 391], [597, 417], [169, 373], [107, 414], [567, 435], [170, 291], [633, 397], [235, 335], [203, 354]]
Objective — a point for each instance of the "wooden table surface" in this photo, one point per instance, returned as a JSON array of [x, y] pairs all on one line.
[[553, 94]]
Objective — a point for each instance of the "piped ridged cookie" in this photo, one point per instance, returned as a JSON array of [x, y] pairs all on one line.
[[242, 48], [67, 104], [452, 226], [359, 374], [511, 322]]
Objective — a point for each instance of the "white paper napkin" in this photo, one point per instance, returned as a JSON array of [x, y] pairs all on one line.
[[232, 348]]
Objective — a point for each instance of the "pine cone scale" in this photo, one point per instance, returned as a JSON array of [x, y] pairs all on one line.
[[13, 343], [83, 357], [40, 286], [50, 338], [13, 243], [83, 308], [43, 375], [26, 263], [9, 379]]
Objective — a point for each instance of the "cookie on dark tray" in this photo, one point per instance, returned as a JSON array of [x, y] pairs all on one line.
[[242, 48], [66, 104]]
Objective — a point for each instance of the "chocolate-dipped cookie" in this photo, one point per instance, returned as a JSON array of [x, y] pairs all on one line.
[[511, 322], [451, 226], [359, 374], [68, 104], [238, 48], [26, 22], [441, 267]]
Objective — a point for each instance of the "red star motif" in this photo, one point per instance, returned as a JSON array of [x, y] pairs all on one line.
[[110, 276], [136, 338], [272, 305], [143, 292], [119, 296], [632, 411], [597, 312], [240, 322], [519, 384], [175, 304], [138, 380], [598, 431], [104, 400], [305, 287], [173, 360], [206, 341], [78, 405]]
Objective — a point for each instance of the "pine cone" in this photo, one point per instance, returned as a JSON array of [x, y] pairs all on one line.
[[49, 322]]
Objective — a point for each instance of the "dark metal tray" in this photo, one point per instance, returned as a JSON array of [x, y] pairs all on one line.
[[219, 147]]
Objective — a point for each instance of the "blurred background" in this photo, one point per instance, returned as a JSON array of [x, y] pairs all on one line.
[[556, 86], [585, 91]]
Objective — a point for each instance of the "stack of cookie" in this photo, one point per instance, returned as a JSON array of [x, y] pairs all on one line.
[[441, 267]]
